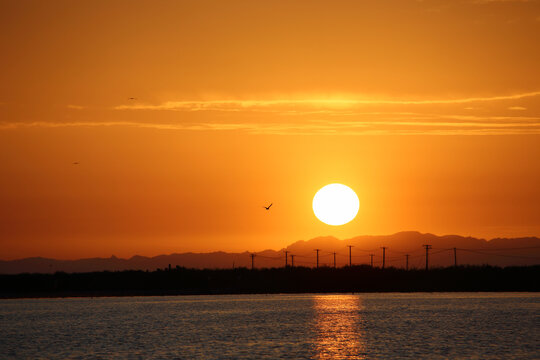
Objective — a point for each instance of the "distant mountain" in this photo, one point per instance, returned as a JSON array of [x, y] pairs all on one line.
[[469, 251]]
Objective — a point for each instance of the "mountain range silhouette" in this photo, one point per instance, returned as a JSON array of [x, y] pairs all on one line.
[[469, 251]]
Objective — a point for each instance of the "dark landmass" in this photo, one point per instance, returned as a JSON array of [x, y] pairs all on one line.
[[470, 251], [183, 281]]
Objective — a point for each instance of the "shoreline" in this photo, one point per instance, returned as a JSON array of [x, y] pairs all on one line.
[[298, 280], [84, 295]]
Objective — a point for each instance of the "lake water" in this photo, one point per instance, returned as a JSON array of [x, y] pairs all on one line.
[[370, 326]]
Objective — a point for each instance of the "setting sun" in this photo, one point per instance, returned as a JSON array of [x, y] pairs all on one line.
[[335, 204]]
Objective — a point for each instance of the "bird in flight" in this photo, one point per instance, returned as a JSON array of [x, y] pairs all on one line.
[[267, 207], [75, 163], [132, 98]]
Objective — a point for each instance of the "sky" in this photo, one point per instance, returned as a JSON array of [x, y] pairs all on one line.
[[429, 110]]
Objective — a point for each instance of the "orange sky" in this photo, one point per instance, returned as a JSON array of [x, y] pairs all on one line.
[[429, 110]]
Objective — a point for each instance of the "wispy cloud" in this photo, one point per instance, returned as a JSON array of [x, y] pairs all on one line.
[[324, 116], [76, 107], [501, 1], [380, 123], [315, 103]]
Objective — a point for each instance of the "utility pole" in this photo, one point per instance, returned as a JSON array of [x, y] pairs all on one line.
[[427, 255], [317, 250], [286, 252], [350, 257], [252, 257], [371, 256], [292, 260], [383, 255], [406, 261], [455, 257], [334, 260]]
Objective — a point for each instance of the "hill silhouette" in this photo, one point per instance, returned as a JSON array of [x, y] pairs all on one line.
[[470, 251]]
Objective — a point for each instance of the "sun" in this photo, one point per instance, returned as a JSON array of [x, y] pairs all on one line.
[[335, 204]]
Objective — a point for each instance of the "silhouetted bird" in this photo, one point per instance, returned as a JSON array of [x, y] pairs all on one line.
[[267, 207], [75, 163], [132, 98]]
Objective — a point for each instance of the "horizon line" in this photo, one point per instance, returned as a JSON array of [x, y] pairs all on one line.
[[280, 250]]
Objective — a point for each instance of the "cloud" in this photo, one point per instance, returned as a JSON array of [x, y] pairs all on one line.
[[323, 116], [306, 104], [501, 1], [379, 123], [76, 107]]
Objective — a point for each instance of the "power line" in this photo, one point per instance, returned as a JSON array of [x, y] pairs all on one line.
[[501, 249], [269, 257], [427, 254], [384, 259], [440, 251], [407, 261], [365, 250], [512, 256]]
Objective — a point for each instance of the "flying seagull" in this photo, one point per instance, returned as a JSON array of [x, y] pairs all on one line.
[[132, 98], [267, 207]]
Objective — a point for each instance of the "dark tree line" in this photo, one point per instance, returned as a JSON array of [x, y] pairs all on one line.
[[181, 280]]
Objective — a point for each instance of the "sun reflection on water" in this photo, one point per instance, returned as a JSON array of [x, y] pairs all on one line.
[[338, 327]]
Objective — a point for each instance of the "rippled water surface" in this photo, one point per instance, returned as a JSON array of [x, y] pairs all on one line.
[[391, 326]]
